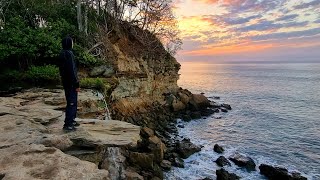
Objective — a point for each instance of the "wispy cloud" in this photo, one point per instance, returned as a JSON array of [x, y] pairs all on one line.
[[235, 26], [312, 4], [288, 17]]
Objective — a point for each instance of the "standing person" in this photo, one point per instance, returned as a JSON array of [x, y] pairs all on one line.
[[70, 82]]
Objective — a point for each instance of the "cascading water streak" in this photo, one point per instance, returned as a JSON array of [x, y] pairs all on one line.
[[107, 115]]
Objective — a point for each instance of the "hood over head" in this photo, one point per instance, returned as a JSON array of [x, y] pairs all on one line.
[[67, 43]]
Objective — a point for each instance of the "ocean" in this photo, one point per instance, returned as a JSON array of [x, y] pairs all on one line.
[[275, 117]]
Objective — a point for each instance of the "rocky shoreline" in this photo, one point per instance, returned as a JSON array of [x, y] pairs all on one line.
[[31, 123]]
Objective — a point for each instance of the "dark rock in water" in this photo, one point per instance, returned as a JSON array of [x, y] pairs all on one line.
[[243, 161], [180, 126], [178, 162], [195, 115], [166, 165], [218, 149], [275, 173], [218, 117], [214, 105], [186, 118], [207, 112], [186, 148], [216, 110], [214, 97], [297, 176], [222, 161], [227, 106], [171, 129], [198, 102], [224, 110], [225, 175]]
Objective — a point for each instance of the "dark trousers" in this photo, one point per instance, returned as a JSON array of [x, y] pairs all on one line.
[[72, 103]]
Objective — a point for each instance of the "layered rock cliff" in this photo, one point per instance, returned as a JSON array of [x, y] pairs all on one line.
[[144, 73]]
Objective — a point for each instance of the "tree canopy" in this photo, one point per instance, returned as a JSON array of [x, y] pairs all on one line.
[[31, 30]]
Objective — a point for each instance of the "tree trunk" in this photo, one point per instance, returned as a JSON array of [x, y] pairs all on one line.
[[86, 19], [98, 6], [79, 16]]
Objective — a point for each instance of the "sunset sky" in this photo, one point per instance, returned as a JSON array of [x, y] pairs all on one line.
[[249, 30]]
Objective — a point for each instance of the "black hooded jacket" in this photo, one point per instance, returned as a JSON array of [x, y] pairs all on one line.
[[67, 65]]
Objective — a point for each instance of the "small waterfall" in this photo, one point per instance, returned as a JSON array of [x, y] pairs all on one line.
[[114, 163], [107, 115]]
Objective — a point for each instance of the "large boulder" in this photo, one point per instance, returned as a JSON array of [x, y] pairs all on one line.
[[39, 162], [166, 165], [178, 162], [178, 106], [143, 160], [243, 161], [199, 101], [184, 97], [146, 132], [222, 161], [186, 148], [275, 173], [225, 175], [218, 149], [157, 147]]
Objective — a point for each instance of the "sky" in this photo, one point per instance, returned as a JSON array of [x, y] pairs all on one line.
[[249, 30]]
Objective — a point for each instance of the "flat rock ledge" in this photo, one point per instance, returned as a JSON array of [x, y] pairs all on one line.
[[33, 145]]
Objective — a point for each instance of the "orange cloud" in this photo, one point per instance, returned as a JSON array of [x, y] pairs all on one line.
[[209, 1], [226, 2], [232, 49]]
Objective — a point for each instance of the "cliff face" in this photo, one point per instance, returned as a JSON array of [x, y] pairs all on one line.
[[144, 72]]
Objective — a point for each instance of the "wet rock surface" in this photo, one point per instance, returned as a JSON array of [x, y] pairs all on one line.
[[166, 165], [243, 161], [225, 175], [178, 162], [218, 149], [275, 173], [222, 161], [186, 148]]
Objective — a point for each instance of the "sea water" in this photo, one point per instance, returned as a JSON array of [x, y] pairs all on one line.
[[275, 117]]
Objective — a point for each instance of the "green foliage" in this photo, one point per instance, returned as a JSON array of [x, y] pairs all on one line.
[[20, 42], [95, 83], [84, 58], [43, 74]]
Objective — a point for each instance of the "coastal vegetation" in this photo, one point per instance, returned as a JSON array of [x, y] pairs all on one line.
[[31, 32]]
